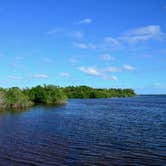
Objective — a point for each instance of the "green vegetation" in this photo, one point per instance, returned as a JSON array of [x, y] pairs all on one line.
[[15, 98], [2, 98], [49, 94], [88, 92]]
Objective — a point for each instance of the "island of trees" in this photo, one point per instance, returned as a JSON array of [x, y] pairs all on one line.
[[16, 98]]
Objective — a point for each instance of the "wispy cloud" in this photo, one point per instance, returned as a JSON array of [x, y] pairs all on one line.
[[106, 44], [85, 45], [54, 31], [108, 77], [128, 67], [112, 69], [114, 78], [90, 71], [14, 65], [105, 72], [40, 76], [64, 32], [111, 42], [76, 34], [64, 74], [134, 36], [85, 21], [142, 34], [73, 61], [106, 57], [145, 56], [47, 60], [14, 77]]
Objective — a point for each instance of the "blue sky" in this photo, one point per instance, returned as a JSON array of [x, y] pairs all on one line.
[[108, 43]]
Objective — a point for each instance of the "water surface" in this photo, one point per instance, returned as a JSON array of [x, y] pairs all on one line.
[[117, 131]]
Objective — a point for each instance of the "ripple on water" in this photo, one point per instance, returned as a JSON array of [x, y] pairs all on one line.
[[118, 131]]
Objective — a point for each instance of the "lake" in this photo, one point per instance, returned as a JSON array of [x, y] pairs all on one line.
[[117, 131]]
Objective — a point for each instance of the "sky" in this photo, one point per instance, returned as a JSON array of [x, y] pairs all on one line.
[[103, 44]]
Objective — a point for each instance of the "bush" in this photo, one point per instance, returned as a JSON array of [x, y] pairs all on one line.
[[15, 98], [50, 94], [2, 98], [88, 92]]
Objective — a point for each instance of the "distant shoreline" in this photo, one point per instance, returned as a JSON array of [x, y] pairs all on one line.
[[16, 98]]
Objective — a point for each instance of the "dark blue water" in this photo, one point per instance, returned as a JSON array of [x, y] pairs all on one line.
[[118, 131]]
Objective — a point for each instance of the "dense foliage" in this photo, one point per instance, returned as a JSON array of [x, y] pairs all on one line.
[[88, 92], [13, 98], [2, 98], [50, 94]]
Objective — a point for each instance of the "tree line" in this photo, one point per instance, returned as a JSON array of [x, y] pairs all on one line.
[[88, 92], [15, 98]]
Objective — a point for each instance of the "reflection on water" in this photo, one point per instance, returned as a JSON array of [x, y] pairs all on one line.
[[14, 111], [119, 131]]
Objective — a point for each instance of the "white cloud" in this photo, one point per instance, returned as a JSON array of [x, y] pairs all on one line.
[[106, 57], [85, 21], [114, 78], [85, 46], [47, 60], [134, 36], [13, 77], [54, 31], [90, 71], [76, 34], [128, 67], [73, 61], [105, 72], [107, 77], [112, 41], [40, 76], [64, 32], [142, 34], [64, 74], [97, 72], [112, 69], [14, 65]]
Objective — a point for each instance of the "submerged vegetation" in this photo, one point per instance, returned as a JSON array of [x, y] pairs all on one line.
[[16, 98]]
